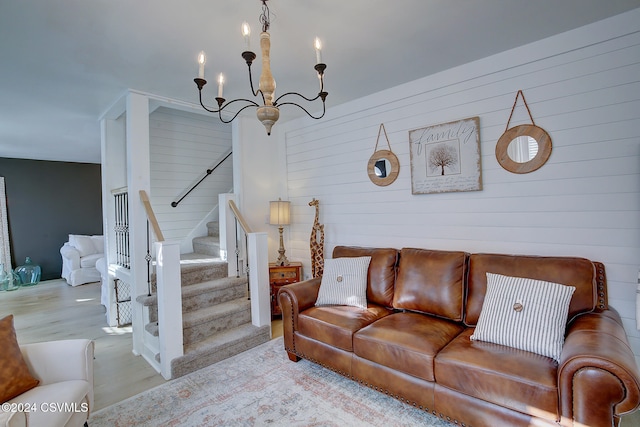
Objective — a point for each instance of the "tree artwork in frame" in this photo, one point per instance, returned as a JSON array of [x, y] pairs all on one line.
[[446, 157]]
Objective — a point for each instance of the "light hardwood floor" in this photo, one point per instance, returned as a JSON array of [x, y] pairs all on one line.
[[53, 310]]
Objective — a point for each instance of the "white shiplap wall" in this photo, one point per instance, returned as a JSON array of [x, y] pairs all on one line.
[[583, 87], [183, 146]]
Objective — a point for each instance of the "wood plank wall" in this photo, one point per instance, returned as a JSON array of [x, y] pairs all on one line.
[[183, 146], [583, 87]]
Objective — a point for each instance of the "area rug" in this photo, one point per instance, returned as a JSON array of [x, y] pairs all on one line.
[[262, 387]]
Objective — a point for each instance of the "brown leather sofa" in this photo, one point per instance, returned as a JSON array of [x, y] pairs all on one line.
[[413, 340]]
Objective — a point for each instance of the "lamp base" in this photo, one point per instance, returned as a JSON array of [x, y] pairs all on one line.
[[282, 259]]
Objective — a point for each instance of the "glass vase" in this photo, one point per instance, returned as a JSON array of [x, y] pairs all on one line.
[[29, 273], [9, 281], [4, 279]]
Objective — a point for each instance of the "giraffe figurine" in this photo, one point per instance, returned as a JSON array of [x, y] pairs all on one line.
[[317, 247]]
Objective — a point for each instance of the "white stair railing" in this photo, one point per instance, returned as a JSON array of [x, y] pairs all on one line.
[[246, 256], [168, 292]]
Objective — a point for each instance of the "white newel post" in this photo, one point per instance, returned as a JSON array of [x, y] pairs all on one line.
[[259, 279], [169, 304]]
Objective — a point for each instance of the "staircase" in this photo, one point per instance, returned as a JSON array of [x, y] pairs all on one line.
[[216, 311]]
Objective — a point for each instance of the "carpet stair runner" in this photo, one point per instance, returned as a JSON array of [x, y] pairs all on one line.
[[216, 311]]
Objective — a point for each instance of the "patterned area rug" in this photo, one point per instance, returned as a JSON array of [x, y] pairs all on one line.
[[262, 387]]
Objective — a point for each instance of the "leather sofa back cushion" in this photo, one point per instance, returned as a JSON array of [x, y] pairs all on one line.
[[431, 282], [382, 271], [578, 272]]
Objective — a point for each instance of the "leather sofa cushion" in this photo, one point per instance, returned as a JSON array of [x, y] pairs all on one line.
[[382, 271], [578, 272], [407, 342], [335, 325], [431, 282], [505, 376]]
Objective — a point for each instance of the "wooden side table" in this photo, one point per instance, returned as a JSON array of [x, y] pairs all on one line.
[[280, 275]]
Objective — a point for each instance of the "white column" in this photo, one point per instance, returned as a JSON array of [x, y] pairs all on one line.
[[138, 178], [114, 175]]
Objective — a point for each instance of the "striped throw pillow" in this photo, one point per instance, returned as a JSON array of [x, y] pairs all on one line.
[[344, 282], [524, 313]]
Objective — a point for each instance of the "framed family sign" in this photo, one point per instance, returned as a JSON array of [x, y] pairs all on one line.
[[446, 157]]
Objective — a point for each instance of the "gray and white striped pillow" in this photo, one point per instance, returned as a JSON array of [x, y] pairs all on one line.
[[344, 282], [524, 313]]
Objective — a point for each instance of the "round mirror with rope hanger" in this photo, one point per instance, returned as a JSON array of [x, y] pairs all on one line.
[[523, 148], [383, 167]]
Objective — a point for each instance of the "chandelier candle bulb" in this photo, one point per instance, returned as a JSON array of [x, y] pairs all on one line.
[[220, 85], [318, 46], [246, 34], [202, 59]]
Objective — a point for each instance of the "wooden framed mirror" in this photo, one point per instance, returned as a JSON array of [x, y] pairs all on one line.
[[523, 148], [383, 167]]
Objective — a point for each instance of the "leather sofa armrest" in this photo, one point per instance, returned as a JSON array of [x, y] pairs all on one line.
[[293, 299], [303, 293], [62, 360], [598, 378]]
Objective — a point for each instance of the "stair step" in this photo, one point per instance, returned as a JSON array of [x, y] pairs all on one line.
[[206, 293], [201, 270], [213, 228], [212, 292], [202, 323], [219, 347], [152, 328], [208, 245], [196, 268], [198, 324]]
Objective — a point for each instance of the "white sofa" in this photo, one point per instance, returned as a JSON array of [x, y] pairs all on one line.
[[64, 396], [79, 257]]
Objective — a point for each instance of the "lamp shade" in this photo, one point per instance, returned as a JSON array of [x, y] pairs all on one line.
[[279, 213]]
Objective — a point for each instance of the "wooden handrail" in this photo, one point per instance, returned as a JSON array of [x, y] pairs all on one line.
[[151, 216], [239, 217]]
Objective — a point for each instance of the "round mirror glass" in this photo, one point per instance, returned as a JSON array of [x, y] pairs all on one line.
[[522, 149], [383, 167]]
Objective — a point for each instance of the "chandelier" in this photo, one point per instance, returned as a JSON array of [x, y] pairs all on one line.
[[268, 113]]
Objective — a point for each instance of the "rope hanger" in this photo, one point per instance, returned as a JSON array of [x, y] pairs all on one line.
[[514, 107], [385, 135]]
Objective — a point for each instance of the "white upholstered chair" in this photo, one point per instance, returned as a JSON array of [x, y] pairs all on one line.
[[64, 396], [79, 257]]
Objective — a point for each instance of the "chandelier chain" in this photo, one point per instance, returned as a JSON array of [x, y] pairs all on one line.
[[265, 17]]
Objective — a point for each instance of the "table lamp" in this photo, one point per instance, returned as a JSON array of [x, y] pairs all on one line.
[[280, 215]]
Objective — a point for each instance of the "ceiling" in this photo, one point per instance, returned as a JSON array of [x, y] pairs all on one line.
[[63, 63]]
